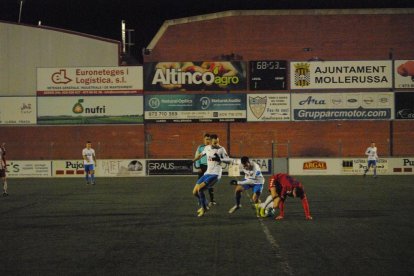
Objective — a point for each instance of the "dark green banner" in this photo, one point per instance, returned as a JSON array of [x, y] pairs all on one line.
[[195, 108]]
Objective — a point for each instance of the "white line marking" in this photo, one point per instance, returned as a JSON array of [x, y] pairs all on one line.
[[282, 261]]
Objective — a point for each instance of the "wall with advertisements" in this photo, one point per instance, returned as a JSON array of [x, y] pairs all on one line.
[[104, 168], [74, 168], [259, 105], [350, 166], [352, 61], [29, 168]]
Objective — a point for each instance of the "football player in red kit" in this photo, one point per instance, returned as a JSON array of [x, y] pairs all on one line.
[[282, 185]]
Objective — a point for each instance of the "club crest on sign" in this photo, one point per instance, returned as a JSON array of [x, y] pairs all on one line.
[[257, 105], [302, 74]]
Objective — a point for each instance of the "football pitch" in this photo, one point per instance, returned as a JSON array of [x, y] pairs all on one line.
[[148, 226]]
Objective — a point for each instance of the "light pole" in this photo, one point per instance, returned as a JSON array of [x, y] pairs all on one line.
[[20, 11]]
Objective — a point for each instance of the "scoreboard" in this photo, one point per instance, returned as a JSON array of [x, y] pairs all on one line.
[[268, 74]]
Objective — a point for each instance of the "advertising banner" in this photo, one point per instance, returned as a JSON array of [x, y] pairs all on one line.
[[350, 166], [17, 110], [359, 165], [314, 166], [104, 168], [404, 73], [404, 105], [90, 110], [268, 107], [124, 80], [195, 76], [342, 106], [68, 168], [195, 108], [341, 74], [402, 165], [121, 168], [169, 167], [264, 163], [18, 168]]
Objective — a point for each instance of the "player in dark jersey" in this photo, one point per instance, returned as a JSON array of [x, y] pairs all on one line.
[[281, 186], [3, 166]]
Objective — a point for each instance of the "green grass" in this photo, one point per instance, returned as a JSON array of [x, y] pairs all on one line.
[[148, 226]]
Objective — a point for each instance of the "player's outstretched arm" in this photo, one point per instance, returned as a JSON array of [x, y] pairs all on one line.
[[246, 182], [305, 205], [198, 157], [281, 210]]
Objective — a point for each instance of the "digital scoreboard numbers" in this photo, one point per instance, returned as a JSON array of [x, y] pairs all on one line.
[[268, 75]]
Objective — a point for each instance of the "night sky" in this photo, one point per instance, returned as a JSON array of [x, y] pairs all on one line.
[[103, 17]]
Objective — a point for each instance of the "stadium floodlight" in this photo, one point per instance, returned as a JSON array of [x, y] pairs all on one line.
[[126, 34], [123, 34], [20, 10]]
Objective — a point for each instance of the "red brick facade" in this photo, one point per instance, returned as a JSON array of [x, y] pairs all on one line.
[[253, 37]]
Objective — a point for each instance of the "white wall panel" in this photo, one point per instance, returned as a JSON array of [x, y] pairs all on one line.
[[25, 48]]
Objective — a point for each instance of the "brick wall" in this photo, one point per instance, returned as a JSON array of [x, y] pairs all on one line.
[[181, 140], [330, 37], [403, 138], [331, 139], [67, 142], [341, 138]]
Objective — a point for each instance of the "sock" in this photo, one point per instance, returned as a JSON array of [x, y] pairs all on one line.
[[267, 202], [238, 197], [375, 171], [5, 186], [211, 193], [87, 177], [282, 208], [198, 199], [203, 201], [93, 177]]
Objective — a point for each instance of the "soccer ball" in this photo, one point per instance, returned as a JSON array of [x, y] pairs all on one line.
[[270, 212]]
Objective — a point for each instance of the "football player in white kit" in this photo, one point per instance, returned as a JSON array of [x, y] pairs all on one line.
[[253, 179], [372, 154], [214, 153], [89, 162]]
